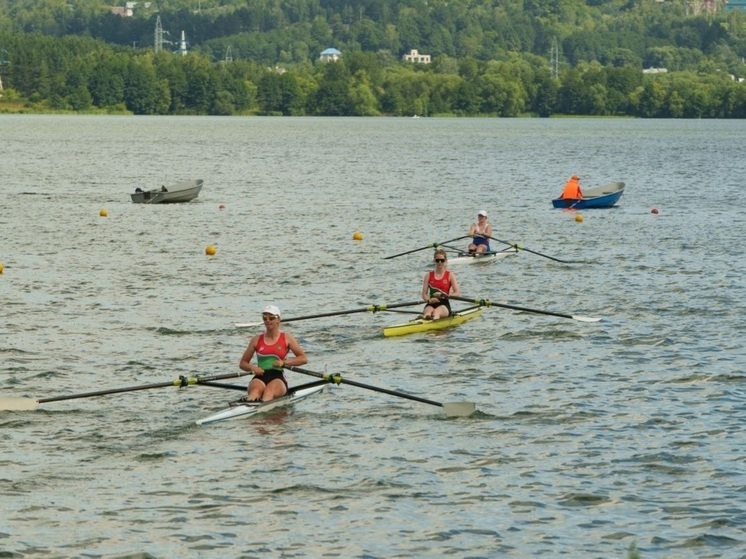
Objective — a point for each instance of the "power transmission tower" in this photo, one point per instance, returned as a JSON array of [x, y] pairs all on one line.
[[4, 56], [158, 35], [554, 58]]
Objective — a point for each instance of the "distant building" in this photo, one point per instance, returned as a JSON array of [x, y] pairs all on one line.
[[129, 8], [330, 55], [735, 5], [414, 56], [654, 70]]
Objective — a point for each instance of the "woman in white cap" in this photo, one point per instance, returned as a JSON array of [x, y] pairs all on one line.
[[481, 231], [271, 348]]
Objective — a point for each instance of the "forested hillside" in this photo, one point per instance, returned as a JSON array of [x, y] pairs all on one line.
[[496, 58]]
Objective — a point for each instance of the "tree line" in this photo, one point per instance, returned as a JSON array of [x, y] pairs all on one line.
[[507, 58]]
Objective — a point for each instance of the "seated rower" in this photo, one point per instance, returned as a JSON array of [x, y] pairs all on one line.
[[572, 189], [481, 231]]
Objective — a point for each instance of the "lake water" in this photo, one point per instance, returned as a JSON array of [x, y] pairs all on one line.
[[590, 440]]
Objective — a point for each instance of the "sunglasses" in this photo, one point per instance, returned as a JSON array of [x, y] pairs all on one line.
[[268, 316], [440, 260]]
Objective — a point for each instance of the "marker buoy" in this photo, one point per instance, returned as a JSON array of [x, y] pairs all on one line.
[[579, 218], [1, 268], [103, 212], [221, 206], [357, 236], [654, 211], [210, 250]]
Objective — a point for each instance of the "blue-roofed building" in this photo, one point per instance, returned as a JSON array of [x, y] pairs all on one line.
[[735, 5], [330, 55]]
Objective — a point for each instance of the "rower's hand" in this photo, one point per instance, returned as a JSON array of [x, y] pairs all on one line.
[[434, 301]]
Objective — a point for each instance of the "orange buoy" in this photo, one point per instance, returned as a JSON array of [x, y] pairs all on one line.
[[357, 236], [103, 212], [210, 250], [579, 218]]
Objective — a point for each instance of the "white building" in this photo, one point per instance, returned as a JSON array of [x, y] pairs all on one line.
[[414, 56], [330, 55]]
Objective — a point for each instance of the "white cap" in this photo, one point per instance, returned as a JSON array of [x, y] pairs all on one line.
[[272, 309], [482, 212]]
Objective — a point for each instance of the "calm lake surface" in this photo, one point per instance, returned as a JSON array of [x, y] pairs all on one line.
[[590, 440]]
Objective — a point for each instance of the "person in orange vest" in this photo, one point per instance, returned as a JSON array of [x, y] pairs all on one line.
[[572, 189]]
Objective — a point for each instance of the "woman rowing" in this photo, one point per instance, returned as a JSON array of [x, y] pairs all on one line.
[[437, 286], [271, 348], [481, 231]]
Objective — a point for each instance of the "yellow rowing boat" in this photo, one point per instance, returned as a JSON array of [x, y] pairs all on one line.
[[422, 325]]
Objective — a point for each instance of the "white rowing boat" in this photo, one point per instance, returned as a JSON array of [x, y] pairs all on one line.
[[247, 410], [482, 257]]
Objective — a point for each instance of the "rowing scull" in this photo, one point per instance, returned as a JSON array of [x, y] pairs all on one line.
[[481, 257], [423, 325], [246, 410]]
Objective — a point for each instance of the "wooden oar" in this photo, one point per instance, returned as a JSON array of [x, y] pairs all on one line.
[[488, 303], [24, 404], [518, 247], [369, 308], [431, 245], [452, 409]]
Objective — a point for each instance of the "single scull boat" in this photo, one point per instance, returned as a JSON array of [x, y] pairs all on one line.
[[422, 325], [247, 410], [481, 257]]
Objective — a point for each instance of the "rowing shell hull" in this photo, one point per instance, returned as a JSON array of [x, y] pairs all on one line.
[[482, 258], [420, 325], [240, 412]]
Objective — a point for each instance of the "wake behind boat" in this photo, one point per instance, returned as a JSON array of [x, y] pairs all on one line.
[[423, 325], [176, 193], [248, 410]]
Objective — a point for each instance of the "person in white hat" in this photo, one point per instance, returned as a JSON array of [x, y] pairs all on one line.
[[481, 231], [271, 348]]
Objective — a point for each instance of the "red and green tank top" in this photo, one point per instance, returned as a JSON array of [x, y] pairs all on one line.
[[266, 354], [442, 285]]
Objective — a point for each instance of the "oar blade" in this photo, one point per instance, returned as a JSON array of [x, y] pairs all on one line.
[[586, 318], [459, 409], [9, 403]]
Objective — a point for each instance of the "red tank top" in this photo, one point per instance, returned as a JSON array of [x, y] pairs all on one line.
[[442, 285], [266, 353]]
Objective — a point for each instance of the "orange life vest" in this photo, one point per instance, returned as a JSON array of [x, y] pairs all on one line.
[[572, 189]]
